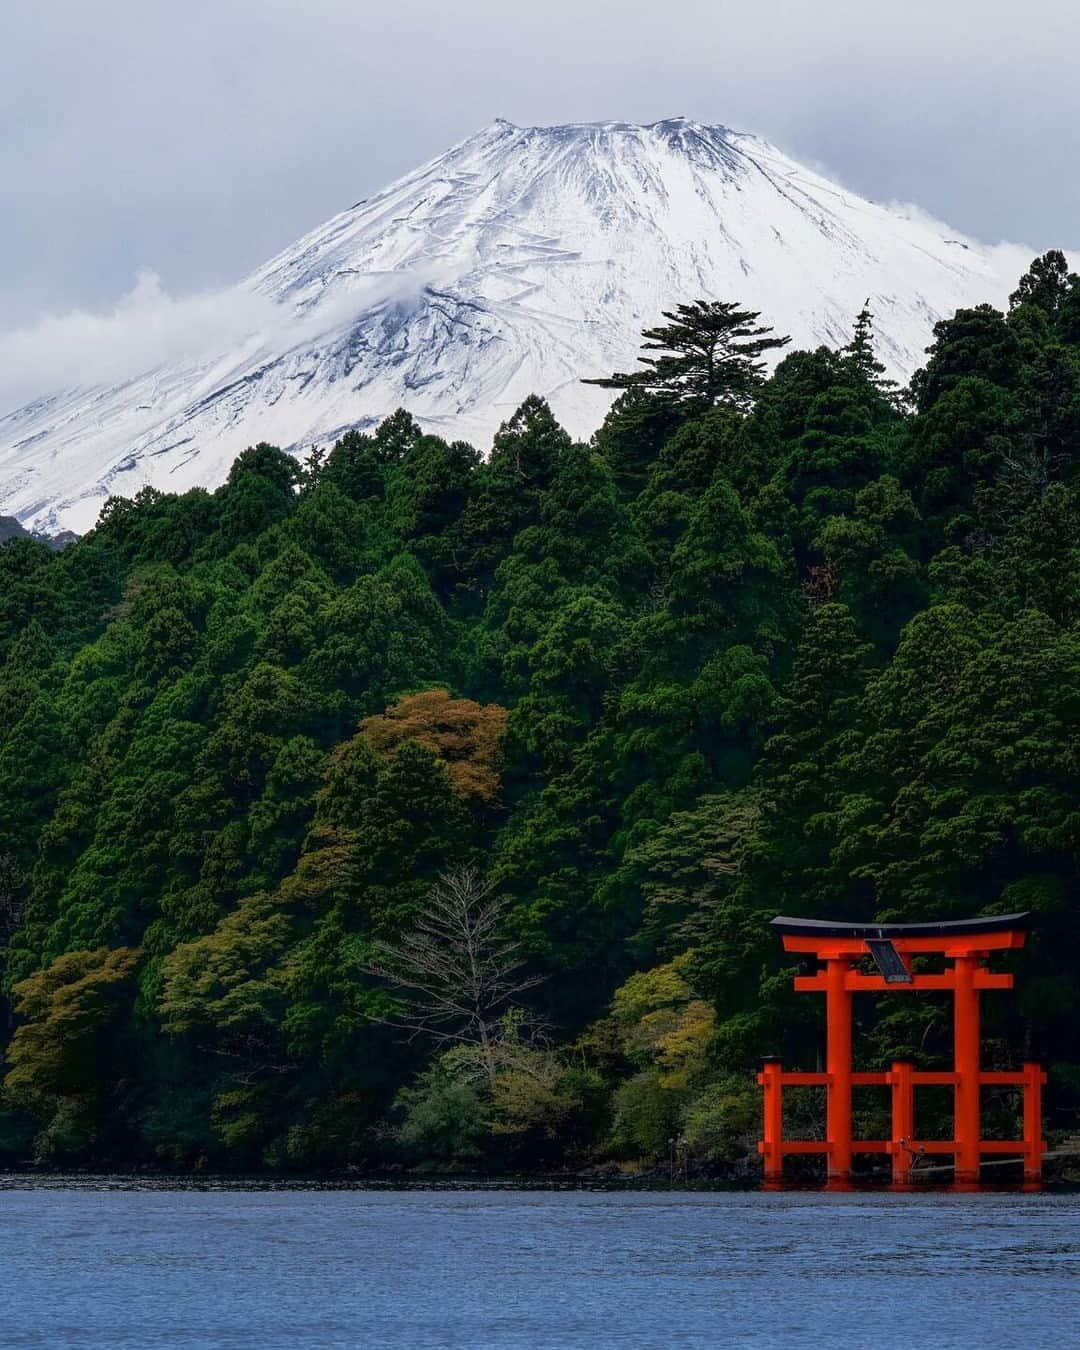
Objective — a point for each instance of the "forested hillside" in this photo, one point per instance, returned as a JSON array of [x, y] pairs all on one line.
[[407, 806]]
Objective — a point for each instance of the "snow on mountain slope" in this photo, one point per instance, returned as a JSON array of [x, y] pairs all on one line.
[[518, 262]]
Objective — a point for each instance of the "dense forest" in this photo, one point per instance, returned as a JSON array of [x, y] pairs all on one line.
[[409, 807]]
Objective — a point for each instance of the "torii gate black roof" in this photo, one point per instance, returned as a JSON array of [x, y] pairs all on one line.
[[991, 923]]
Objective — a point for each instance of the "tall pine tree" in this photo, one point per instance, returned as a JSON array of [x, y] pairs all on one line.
[[711, 352]]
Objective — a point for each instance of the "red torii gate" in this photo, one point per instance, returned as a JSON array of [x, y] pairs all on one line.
[[838, 948]]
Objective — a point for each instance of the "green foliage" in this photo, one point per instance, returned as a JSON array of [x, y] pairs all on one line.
[[711, 353], [1046, 284], [722, 1124], [790, 644], [443, 1118], [62, 1059]]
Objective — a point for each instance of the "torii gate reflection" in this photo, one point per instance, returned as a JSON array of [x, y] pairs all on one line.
[[838, 947]]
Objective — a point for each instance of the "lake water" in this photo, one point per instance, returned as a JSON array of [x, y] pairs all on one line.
[[96, 1264]]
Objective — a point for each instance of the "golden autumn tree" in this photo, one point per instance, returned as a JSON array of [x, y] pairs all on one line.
[[462, 734]]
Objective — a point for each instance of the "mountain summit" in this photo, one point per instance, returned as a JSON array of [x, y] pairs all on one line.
[[517, 262]]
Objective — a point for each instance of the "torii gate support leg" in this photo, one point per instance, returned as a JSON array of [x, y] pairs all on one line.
[[903, 1120], [1033, 1140], [771, 1079], [968, 1125]]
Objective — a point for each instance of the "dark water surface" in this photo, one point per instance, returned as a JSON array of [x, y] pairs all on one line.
[[89, 1264]]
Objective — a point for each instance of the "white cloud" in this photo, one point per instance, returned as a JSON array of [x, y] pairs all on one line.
[[145, 329], [148, 328]]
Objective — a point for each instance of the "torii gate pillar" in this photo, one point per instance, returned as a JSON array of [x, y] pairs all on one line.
[[838, 1068], [966, 1127]]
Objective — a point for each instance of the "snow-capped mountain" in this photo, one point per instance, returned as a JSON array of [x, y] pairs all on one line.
[[518, 262]]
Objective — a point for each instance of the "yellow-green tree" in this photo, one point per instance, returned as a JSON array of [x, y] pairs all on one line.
[[61, 1060]]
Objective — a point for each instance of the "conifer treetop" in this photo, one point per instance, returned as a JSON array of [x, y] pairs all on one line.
[[711, 353]]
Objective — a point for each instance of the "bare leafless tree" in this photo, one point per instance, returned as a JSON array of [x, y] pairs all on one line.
[[454, 972]]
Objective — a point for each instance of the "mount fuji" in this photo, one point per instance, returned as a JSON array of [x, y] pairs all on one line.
[[518, 262]]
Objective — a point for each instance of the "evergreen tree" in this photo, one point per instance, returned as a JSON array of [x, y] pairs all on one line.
[[1045, 284], [711, 353], [860, 355]]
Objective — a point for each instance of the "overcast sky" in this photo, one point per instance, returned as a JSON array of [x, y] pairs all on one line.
[[197, 138]]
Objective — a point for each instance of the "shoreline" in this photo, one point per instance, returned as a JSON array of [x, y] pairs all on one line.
[[254, 1182]]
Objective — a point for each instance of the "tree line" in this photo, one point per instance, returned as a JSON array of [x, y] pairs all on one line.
[[408, 807]]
